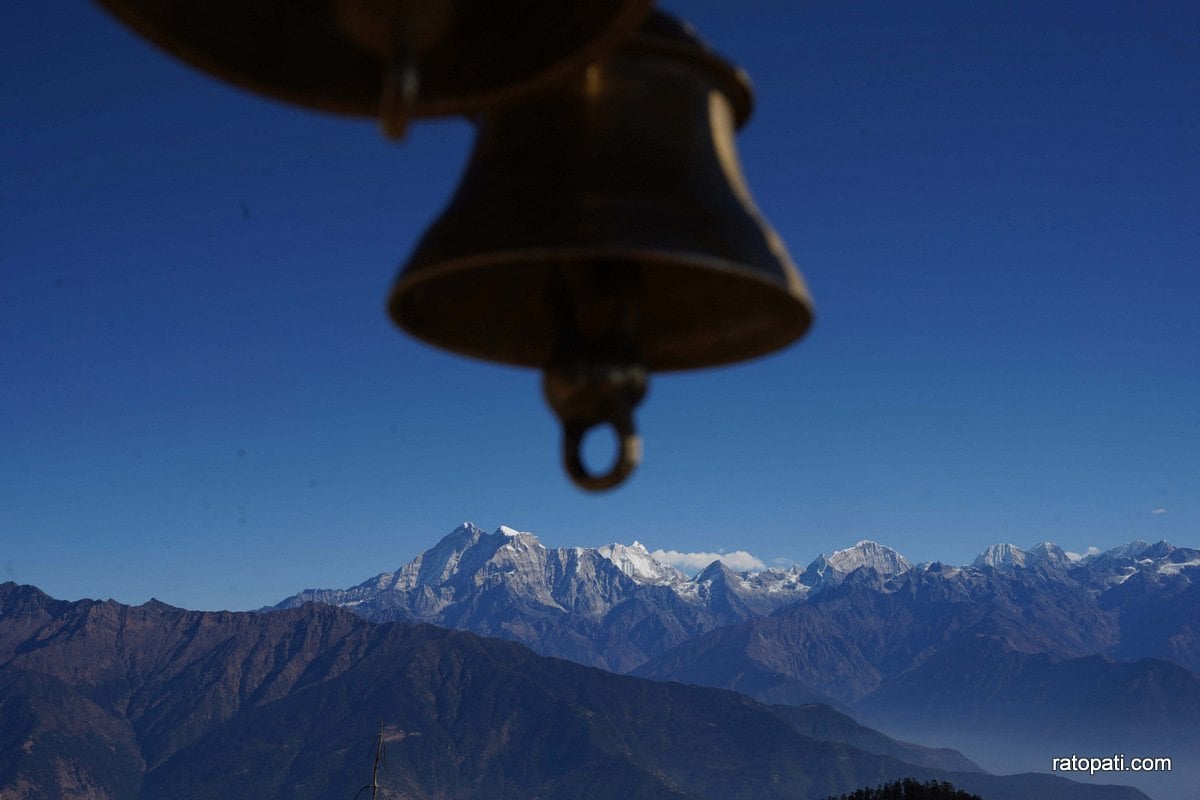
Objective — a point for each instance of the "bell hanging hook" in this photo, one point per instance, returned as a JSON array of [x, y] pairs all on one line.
[[586, 395]]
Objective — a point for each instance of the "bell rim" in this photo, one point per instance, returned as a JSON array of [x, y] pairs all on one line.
[[790, 291]]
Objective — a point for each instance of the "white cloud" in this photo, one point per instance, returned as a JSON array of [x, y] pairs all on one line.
[[1091, 551], [1159, 511], [738, 560]]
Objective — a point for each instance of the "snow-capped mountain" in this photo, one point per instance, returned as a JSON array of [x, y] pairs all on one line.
[[871, 555], [830, 571], [612, 606], [636, 562], [617, 606], [1008, 556], [1100, 571], [1000, 556]]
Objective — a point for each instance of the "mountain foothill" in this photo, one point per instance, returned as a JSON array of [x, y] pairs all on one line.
[[492, 666]]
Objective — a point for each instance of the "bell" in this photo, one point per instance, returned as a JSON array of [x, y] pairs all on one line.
[[396, 59], [603, 230]]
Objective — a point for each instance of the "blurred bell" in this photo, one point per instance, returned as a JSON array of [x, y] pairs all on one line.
[[396, 59], [603, 229]]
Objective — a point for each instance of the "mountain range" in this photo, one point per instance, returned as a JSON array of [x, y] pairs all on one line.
[[613, 607], [110, 702], [1017, 657]]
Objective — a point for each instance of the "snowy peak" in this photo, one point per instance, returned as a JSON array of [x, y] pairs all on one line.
[[438, 563], [832, 570], [716, 571], [1008, 556], [561, 601], [1159, 550], [1050, 553], [519, 538], [514, 540], [1001, 556], [637, 563], [1131, 550], [1151, 564], [872, 555]]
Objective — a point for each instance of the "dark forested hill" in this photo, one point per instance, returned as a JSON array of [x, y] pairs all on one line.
[[100, 700]]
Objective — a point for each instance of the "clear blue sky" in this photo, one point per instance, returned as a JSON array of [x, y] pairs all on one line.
[[996, 205]]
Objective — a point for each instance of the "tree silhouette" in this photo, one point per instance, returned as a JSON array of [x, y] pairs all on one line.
[[909, 789], [380, 758]]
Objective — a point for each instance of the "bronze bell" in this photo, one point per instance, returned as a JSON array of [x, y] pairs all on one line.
[[602, 230], [395, 59]]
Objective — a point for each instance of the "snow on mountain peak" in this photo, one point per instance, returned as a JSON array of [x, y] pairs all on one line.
[[717, 569], [1007, 556], [515, 539], [1177, 567], [449, 574], [636, 562], [1132, 549], [999, 556], [1050, 553], [873, 555]]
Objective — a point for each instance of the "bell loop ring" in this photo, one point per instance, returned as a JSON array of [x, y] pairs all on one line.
[[628, 457], [588, 394]]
